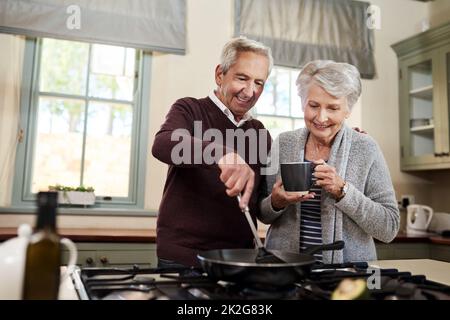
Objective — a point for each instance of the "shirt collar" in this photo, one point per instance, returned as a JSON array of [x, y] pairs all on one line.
[[227, 111]]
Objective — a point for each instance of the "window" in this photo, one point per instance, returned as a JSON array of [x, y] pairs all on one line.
[[279, 107], [86, 120]]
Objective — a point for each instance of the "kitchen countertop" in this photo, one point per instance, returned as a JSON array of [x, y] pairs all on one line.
[[434, 270], [149, 235]]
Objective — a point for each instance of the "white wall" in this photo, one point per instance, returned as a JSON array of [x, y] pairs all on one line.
[[10, 87], [210, 25], [400, 19], [439, 12]]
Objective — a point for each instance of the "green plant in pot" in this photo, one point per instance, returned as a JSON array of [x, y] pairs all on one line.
[[74, 195]]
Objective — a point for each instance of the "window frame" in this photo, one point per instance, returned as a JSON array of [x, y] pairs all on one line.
[[22, 196], [292, 118]]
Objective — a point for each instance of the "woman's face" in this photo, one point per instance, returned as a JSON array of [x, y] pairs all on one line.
[[324, 113]]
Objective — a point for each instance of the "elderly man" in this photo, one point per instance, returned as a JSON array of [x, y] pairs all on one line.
[[199, 209]]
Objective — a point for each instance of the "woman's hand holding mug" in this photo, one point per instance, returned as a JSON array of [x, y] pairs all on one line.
[[281, 199]]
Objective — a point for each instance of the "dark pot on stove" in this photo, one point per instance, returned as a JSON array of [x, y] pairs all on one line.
[[240, 266]]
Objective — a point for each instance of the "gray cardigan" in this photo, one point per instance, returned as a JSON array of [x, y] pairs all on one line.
[[368, 210]]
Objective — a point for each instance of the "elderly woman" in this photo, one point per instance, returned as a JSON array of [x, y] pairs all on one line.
[[353, 199]]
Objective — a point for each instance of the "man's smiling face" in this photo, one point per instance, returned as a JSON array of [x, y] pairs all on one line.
[[240, 87]]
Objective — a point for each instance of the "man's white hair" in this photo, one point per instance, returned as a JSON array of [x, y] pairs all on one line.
[[242, 44]]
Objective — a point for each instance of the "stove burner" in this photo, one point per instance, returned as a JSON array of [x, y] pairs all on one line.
[[268, 294], [192, 284]]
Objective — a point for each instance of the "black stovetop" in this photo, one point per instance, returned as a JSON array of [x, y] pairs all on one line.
[[192, 284]]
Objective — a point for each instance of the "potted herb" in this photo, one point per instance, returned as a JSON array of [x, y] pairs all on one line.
[[74, 195]]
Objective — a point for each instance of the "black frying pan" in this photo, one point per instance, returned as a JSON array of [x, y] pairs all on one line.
[[240, 266]]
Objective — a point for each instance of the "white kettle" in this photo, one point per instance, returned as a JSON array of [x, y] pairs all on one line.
[[12, 263], [418, 219]]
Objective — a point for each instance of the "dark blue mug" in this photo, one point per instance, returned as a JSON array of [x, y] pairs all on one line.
[[297, 177]]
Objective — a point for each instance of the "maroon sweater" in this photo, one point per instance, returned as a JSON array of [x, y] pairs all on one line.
[[195, 213]]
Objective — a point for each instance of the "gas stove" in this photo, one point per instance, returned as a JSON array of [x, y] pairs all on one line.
[[193, 284]]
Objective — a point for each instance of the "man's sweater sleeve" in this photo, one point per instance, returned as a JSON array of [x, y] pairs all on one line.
[[175, 143]]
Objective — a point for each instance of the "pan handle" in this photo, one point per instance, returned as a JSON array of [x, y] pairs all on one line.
[[337, 245]]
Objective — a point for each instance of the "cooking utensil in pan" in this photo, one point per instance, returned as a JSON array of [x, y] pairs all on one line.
[[263, 255], [239, 265]]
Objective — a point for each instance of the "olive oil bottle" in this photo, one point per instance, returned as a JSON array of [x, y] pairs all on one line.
[[43, 256]]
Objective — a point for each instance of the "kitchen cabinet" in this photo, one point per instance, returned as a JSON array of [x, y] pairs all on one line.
[[118, 254], [424, 85], [397, 251], [113, 254], [440, 252]]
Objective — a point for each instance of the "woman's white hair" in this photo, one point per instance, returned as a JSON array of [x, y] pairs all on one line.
[[336, 78], [242, 44]]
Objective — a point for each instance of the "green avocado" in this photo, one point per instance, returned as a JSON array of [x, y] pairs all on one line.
[[351, 289]]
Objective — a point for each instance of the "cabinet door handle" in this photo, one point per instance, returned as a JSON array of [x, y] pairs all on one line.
[[104, 260], [89, 260], [436, 154], [445, 154]]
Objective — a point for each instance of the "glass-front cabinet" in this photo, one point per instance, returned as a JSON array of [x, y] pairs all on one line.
[[424, 83]]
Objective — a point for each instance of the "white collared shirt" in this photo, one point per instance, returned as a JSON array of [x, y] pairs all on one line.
[[227, 111]]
